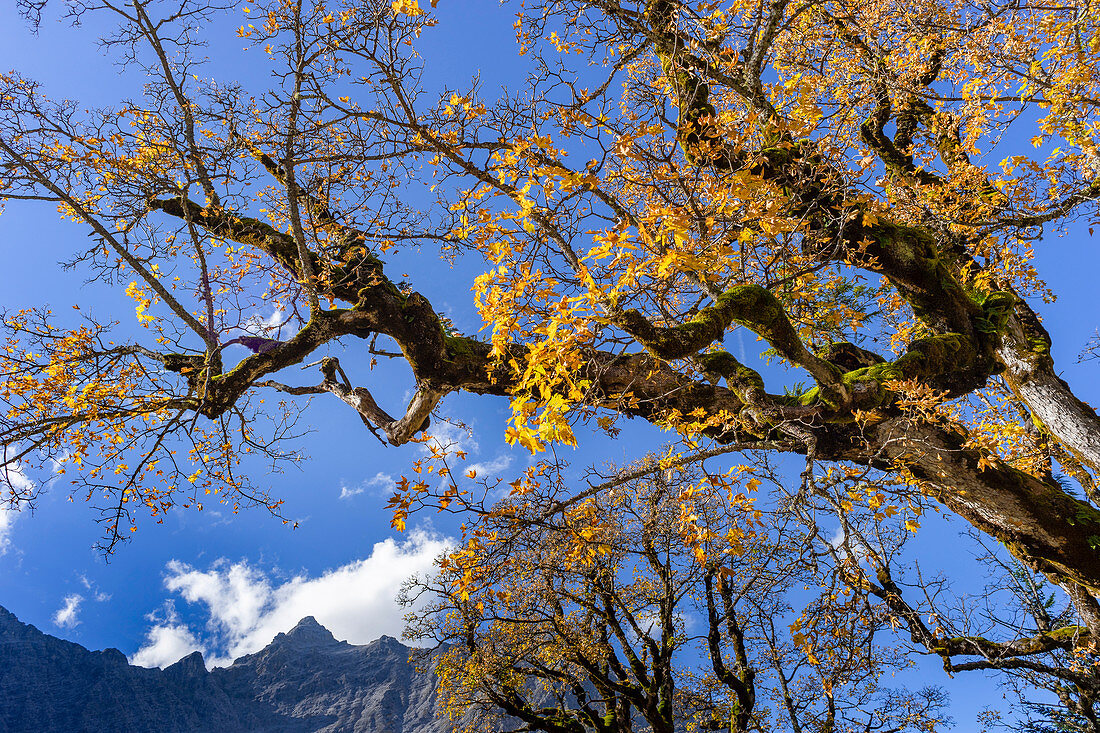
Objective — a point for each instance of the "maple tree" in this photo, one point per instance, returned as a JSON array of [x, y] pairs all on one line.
[[662, 602], [672, 174], [548, 613]]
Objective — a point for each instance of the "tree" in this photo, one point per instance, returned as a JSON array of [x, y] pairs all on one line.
[[672, 172], [1016, 627], [661, 603]]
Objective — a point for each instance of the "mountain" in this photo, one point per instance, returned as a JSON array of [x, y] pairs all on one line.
[[304, 680]]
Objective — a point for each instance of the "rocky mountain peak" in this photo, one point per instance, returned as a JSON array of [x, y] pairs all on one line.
[[193, 665], [307, 632], [305, 681]]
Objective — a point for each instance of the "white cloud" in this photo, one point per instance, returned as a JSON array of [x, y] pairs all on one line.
[[66, 615], [347, 493], [97, 595], [838, 539], [274, 320], [450, 438], [14, 479], [14, 484], [650, 623], [264, 326], [380, 484], [490, 469], [166, 643], [7, 524], [356, 602]]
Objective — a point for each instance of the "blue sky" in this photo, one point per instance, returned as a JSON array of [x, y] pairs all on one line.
[[227, 583]]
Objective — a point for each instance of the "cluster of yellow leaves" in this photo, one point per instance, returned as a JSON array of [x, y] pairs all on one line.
[[143, 302], [524, 305], [855, 492], [86, 403], [708, 541], [549, 383], [1002, 430], [918, 399], [830, 632], [78, 403], [408, 7]]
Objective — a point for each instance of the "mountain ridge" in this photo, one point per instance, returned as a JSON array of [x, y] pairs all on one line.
[[304, 680]]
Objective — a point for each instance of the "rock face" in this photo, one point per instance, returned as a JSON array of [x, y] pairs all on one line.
[[305, 680]]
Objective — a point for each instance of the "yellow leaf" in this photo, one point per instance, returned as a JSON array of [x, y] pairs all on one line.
[[408, 7]]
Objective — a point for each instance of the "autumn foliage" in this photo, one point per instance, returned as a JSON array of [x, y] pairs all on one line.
[[858, 187]]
